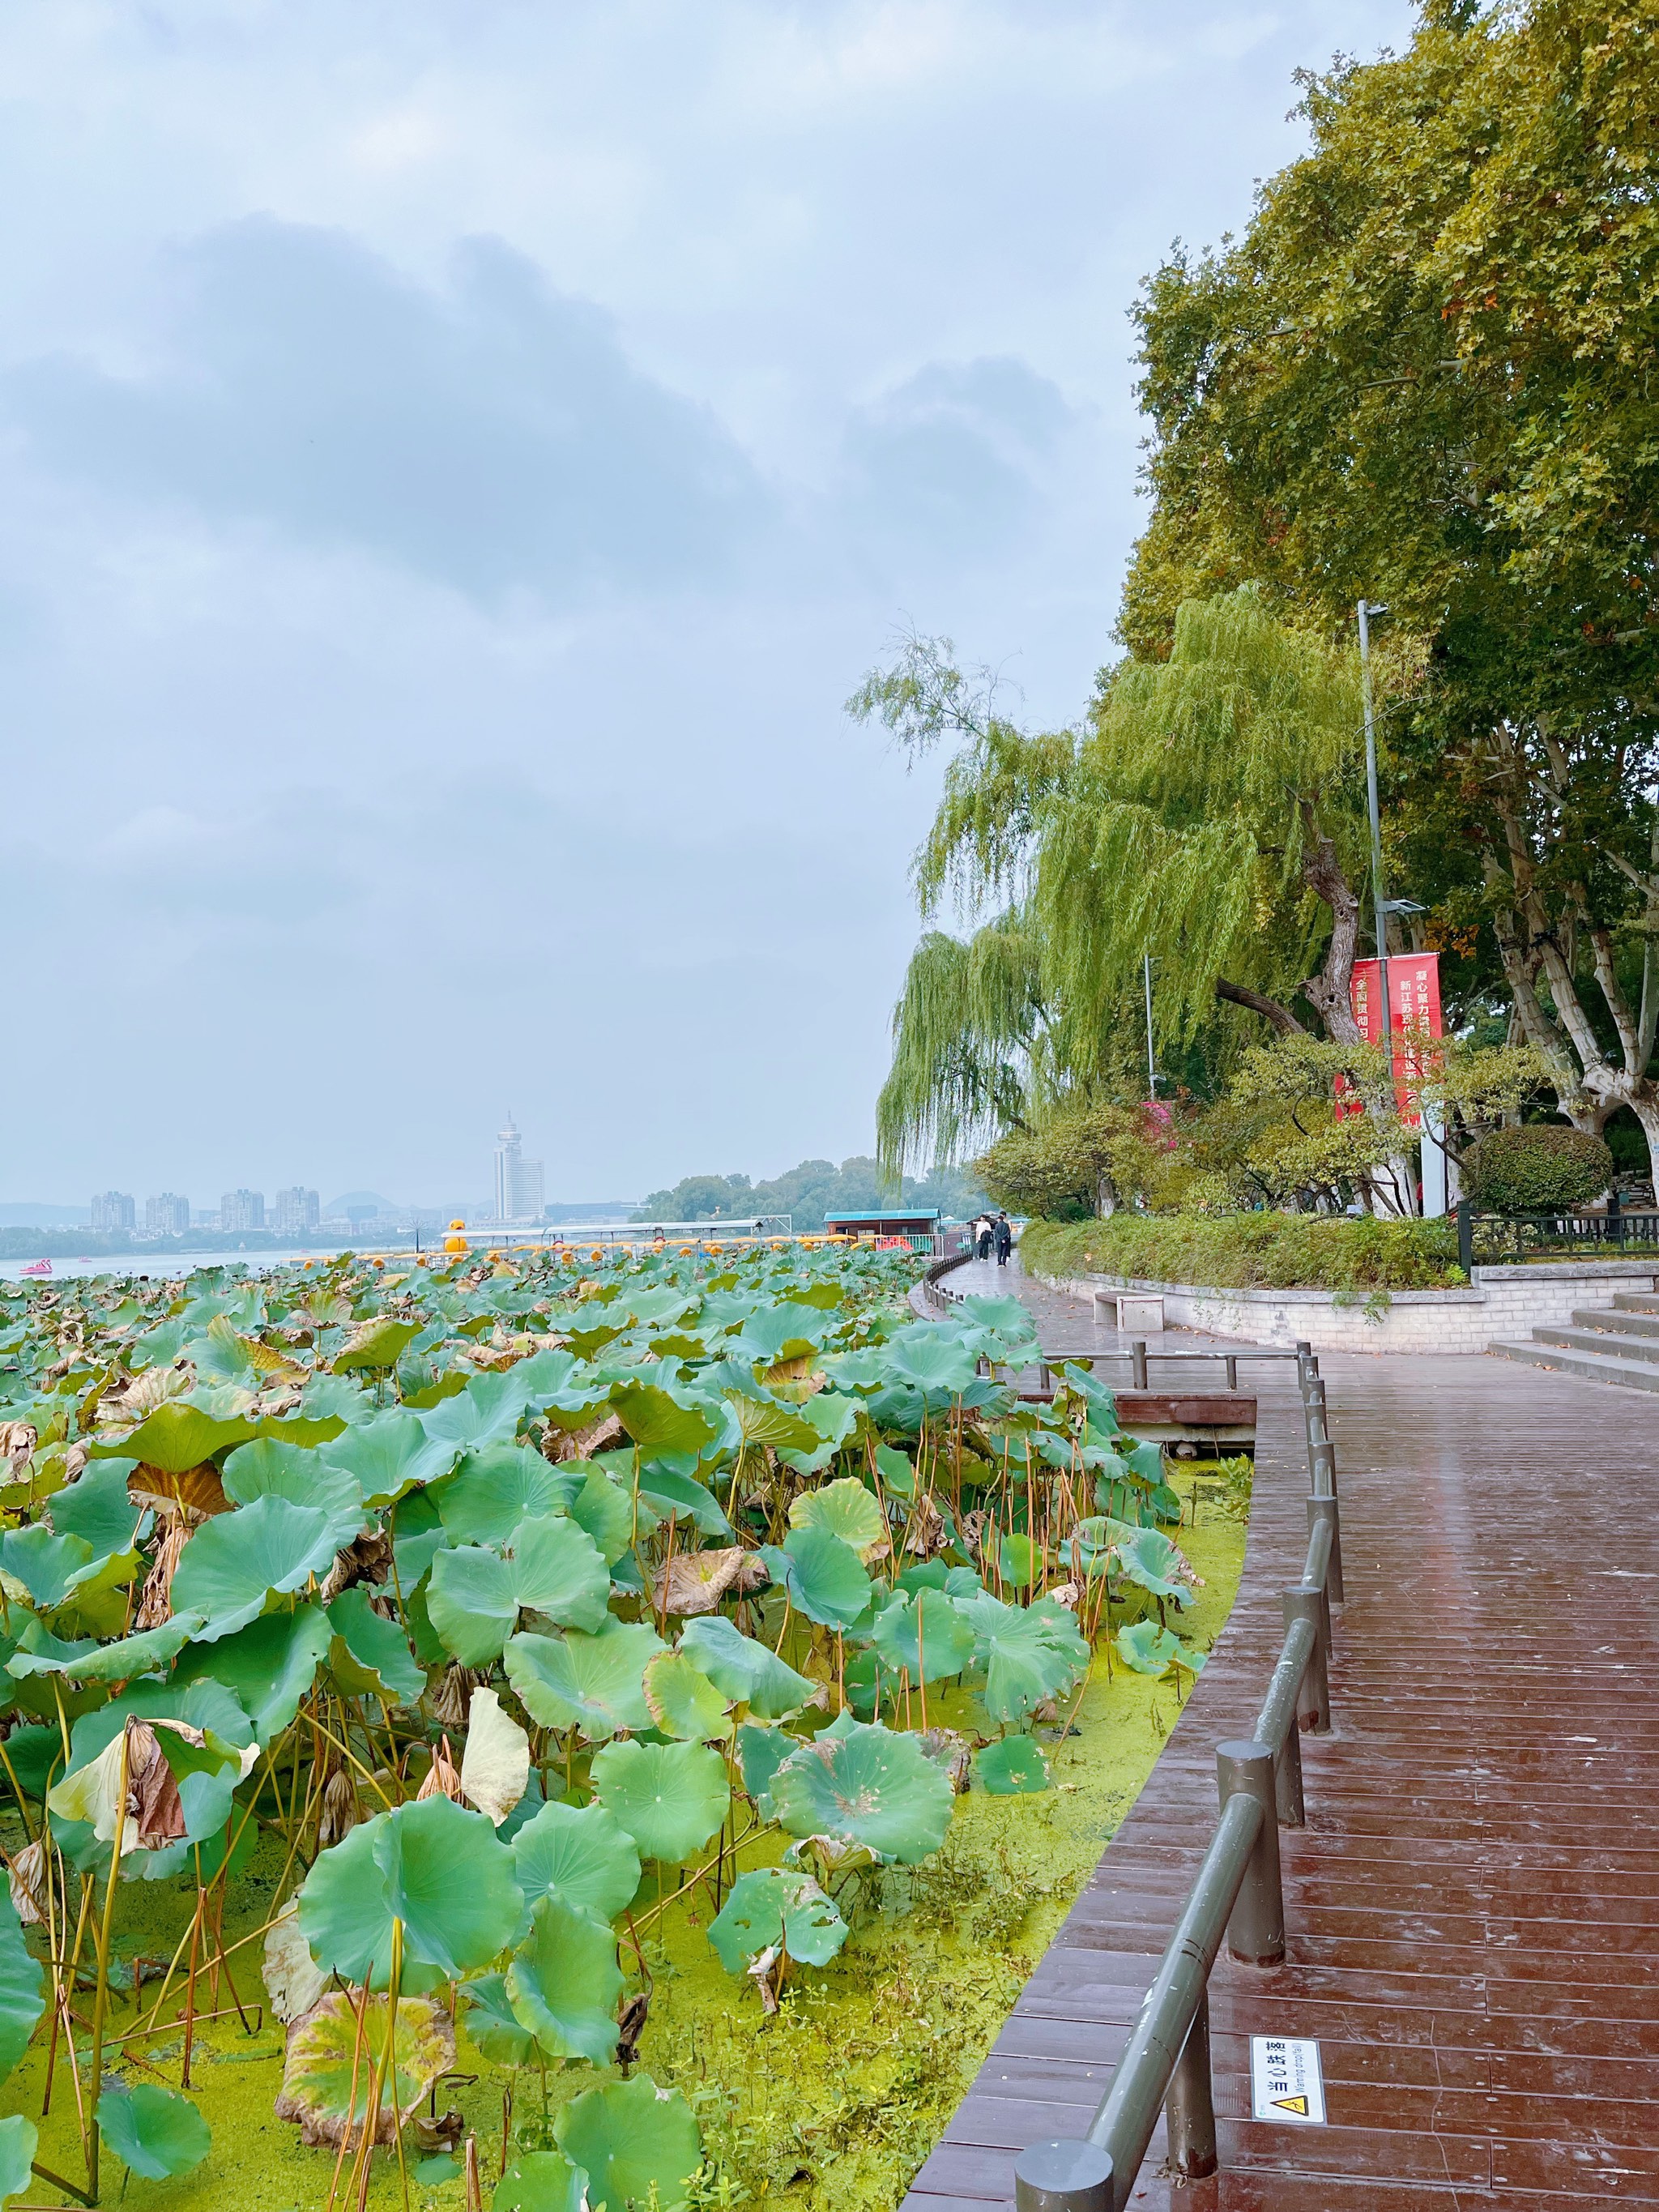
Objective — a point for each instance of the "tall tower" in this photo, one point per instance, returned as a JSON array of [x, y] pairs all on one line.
[[509, 1159], [517, 1181]]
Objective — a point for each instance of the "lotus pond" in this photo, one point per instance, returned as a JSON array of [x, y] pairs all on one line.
[[539, 1729]]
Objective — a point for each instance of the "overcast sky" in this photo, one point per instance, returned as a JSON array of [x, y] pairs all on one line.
[[457, 460]]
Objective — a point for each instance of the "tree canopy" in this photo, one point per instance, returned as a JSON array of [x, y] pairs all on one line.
[[1426, 375]]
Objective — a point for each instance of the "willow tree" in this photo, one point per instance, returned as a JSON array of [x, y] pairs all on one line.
[[1205, 813]]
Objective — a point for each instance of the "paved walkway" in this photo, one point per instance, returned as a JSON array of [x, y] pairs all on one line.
[[1473, 1907]]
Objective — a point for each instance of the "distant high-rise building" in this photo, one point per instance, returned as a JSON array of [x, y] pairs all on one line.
[[517, 1181], [242, 1209], [168, 1215], [114, 1209], [297, 1211]]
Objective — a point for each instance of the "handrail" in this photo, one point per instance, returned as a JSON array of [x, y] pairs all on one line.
[[1238, 1893]]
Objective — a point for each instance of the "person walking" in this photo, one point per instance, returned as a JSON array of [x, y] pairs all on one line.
[[1004, 1239], [984, 1235]]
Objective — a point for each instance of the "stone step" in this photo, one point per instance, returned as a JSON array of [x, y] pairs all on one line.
[[1619, 1321], [1589, 1367], [1641, 1301], [1612, 1343]]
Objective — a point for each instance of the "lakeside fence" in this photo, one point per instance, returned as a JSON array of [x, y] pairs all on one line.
[[1237, 1895]]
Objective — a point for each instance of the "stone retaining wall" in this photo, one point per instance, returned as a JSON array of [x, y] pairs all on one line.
[[1500, 1304]]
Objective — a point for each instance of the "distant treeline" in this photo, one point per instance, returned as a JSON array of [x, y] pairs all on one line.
[[811, 1191], [156, 1253]]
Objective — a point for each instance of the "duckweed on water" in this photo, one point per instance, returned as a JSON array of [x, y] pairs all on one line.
[[681, 1566]]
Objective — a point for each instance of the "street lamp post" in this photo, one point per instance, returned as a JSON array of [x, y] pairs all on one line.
[[1379, 895]]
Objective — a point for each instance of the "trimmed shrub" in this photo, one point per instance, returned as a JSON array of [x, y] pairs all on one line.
[[1535, 1168], [1252, 1251]]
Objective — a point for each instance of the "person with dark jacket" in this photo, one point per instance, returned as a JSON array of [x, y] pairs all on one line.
[[1004, 1239]]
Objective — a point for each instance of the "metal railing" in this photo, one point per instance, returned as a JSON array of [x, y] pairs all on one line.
[[1504, 1239], [1238, 1894], [1141, 1356]]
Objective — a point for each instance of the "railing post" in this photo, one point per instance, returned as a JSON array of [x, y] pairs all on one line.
[[1320, 1509], [1063, 2176], [1466, 1236], [1321, 1466], [1190, 2104], [1289, 1799], [1255, 1933], [1232, 1372], [1138, 1360], [1313, 1703]]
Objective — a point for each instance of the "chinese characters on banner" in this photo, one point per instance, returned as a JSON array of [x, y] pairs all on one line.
[[1415, 996]]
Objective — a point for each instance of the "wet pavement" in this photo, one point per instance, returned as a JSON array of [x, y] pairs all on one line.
[[1473, 1907]]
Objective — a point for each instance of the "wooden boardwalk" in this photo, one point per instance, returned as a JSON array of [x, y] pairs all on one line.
[[1473, 1907]]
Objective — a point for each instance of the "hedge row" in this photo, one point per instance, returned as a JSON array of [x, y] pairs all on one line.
[[1252, 1251]]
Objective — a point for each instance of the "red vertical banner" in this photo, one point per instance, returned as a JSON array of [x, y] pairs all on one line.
[[1414, 1011]]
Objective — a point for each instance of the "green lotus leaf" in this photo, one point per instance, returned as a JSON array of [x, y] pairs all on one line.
[[1028, 1656], [97, 1509], [387, 1455], [265, 1468], [475, 1596], [676, 1495], [846, 1510], [486, 1410], [1141, 1462], [898, 1471], [1149, 1648], [19, 2140], [590, 1682], [753, 1422], [608, 1515], [743, 1670], [784, 1331], [832, 1416], [774, 1905], [868, 1787], [42, 1568], [235, 1562], [492, 2025], [269, 1665], [659, 1422], [439, 1868], [336, 2052], [541, 2181], [761, 1752], [369, 1654], [1007, 1317], [638, 2145], [492, 1490], [671, 1797], [206, 1777], [114, 1663], [379, 1344], [682, 1701], [22, 2000], [1013, 1767], [922, 1634], [823, 1576], [175, 1438], [1019, 1561], [931, 1358], [1146, 1558], [581, 1853], [155, 2131], [564, 1982]]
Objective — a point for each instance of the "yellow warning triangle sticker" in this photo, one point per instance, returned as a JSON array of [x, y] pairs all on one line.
[[1297, 2105]]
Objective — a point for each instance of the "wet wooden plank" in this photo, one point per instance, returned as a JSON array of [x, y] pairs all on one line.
[[1474, 1909]]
